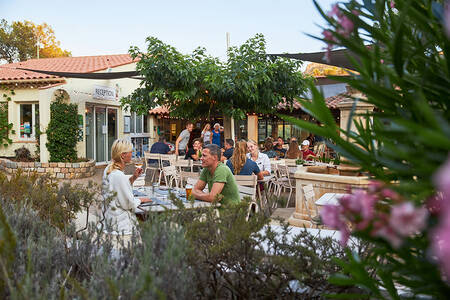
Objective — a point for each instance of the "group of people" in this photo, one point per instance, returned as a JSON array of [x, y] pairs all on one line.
[[242, 158]]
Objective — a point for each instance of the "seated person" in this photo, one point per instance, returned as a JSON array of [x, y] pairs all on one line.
[[229, 148], [279, 147], [239, 164], [219, 178], [159, 147], [268, 149], [120, 211], [293, 152], [306, 153], [195, 153]]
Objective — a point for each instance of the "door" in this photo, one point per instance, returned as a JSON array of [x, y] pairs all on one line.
[[112, 129], [90, 141], [100, 134]]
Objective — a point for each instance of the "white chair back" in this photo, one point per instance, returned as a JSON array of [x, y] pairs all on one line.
[[290, 162], [309, 198]]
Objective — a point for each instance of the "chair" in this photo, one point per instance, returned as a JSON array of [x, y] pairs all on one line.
[[320, 149], [183, 164], [164, 161], [186, 176], [290, 162], [170, 174], [246, 191], [154, 167], [309, 198], [284, 182], [247, 185]]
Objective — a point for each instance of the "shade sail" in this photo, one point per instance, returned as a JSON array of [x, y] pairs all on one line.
[[338, 58], [111, 75]]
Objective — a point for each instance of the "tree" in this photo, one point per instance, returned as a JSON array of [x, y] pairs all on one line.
[[18, 41], [198, 85]]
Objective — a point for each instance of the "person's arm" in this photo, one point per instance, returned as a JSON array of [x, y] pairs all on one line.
[[210, 137], [260, 175], [258, 172], [177, 142], [125, 198], [209, 197], [137, 172]]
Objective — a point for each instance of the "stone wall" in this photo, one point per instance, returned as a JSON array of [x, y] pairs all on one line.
[[57, 170]]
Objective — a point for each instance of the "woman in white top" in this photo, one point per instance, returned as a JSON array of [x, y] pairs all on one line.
[[207, 134], [261, 159], [120, 212]]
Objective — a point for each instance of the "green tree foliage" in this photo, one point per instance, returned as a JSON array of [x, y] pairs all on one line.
[[198, 85], [62, 131], [18, 41]]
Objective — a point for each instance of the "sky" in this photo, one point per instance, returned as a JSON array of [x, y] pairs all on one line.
[[98, 27]]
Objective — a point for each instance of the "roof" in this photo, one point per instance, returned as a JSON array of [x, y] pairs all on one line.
[[161, 110], [322, 70], [80, 64]]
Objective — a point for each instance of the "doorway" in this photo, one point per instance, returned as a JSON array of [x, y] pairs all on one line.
[[101, 131]]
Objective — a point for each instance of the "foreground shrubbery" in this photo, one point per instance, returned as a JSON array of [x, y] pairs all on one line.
[[186, 254]]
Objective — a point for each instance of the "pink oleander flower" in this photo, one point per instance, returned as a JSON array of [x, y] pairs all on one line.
[[327, 35], [442, 178], [359, 207], [346, 24], [335, 11], [382, 229], [332, 217], [392, 4], [375, 186], [435, 204], [406, 219], [388, 193], [447, 18], [440, 244]]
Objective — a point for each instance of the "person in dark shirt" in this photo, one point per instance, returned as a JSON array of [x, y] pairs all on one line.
[[195, 153], [229, 149], [281, 152], [159, 147], [239, 164]]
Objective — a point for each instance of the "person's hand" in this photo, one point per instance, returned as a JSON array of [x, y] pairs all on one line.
[[176, 152], [143, 200], [137, 172]]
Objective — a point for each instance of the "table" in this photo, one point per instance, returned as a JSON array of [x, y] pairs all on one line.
[[161, 201], [266, 179], [329, 199]]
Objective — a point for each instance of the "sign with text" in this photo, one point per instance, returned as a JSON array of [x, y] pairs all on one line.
[[104, 93]]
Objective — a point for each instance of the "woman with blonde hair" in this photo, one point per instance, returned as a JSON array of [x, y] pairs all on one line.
[[261, 159], [239, 164], [207, 134], [117, 188], [293, 151]]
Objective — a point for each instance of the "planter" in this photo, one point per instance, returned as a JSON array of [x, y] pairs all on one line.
[[325, 179], [54, 170]]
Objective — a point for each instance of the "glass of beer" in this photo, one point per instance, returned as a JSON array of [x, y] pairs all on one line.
[[188, 191]]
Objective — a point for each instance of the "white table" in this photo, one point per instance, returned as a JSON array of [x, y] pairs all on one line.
[[168, 205], [329, 199]]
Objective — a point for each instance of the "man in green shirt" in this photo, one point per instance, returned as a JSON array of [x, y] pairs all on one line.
[[218, 176]]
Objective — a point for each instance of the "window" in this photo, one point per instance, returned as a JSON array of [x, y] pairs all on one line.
[[126, 124], [29, 120], [138, 123]]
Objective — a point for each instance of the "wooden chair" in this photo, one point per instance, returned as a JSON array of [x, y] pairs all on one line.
[[154, 167], [284, 182], [248, 186], [165, 160], [184, 165], [309, 198], [246, 191]]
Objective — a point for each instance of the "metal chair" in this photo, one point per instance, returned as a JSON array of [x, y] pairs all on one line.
[[170, 174], [284, 182], [309, 198], [154, 166]]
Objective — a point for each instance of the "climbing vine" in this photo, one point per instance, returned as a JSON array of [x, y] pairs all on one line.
[[62, 131], [5, 126]]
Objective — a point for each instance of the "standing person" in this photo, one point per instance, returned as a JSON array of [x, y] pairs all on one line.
[[120, 211], [219, 178], [207, 134], [306, 153], [261, 159], [183, 139], [216, 135], [293, 151], [229, 149], [268, 149], [239, 164], [195, 153], [279, 147]]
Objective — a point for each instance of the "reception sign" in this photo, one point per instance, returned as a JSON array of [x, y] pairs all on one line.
[[104, 93]]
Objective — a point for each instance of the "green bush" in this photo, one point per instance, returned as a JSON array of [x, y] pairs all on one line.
[[184, 254], [5, 126], [62, 131]]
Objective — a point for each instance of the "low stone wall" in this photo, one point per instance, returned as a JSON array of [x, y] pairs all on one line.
[[54, 169]]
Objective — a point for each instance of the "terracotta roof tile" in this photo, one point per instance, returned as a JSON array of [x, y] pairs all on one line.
[[80, 64], [162, 110]]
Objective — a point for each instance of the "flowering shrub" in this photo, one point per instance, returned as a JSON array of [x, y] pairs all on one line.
[[400, 51]]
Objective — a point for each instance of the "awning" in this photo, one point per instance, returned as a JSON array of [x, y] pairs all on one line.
[[338, 58], [111, 75]]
